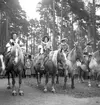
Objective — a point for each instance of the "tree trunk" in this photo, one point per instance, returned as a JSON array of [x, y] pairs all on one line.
[[54, 34], [0, 28], [61, 17], [34, 45], [94, 26], [72, 34], [27, 45]]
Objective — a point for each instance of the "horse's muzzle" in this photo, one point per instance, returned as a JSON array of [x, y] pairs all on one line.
[[42, 68]]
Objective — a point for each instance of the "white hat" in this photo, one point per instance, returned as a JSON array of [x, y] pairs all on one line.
[[40, 46]]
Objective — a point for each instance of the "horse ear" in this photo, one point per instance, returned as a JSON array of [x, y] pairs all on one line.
[[61, 50]]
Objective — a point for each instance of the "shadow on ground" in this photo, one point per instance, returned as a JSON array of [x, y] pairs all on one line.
[[81, 89]]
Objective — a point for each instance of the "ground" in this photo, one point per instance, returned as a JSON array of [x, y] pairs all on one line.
[[81, 95]]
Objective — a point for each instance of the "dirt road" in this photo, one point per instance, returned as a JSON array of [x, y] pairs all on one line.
[[35, 96]]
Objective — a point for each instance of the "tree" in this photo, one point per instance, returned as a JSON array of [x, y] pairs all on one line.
[[14, 17]]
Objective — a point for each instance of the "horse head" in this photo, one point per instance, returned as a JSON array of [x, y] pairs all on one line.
[[17, 54], [79, 53], [40, 61], [61, 58]]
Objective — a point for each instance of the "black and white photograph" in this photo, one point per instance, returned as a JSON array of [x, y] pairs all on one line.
[[49, 52]]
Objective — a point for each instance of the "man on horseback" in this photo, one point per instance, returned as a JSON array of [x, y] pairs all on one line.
[[64, 46], [88, 49], [14, 40], [14, 60]]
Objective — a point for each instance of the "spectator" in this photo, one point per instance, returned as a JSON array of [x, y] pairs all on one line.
[[28, 65]]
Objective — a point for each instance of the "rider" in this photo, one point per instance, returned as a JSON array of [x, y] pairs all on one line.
[[14, 40], [47, 46], [88, 49], [64, 46]]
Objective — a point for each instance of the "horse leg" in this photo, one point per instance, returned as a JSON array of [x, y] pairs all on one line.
[[65, 79], [38, 78], [57, 78], [20, 84], [72, 81], [89, 82], [98, 80], [13, 85], [81, 74], [9, 85], [53, 82], [46, 81]]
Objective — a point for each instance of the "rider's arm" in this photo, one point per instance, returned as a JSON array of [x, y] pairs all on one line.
[[8, 45]]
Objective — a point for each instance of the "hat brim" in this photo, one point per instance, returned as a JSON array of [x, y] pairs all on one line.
[[45, 37], [63, 40]]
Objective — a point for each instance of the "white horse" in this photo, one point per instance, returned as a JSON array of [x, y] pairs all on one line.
[[94, 66], [16, 66]]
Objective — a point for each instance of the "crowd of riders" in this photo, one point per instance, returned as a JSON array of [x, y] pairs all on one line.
[[45, 47]]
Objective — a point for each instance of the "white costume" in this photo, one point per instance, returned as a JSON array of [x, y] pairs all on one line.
[[9, 45], [40, 47], [47, 45]]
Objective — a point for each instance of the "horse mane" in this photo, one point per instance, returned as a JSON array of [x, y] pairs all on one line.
[[96, 54], [37, 58], [20, 52], [54, 57], [71, 55]]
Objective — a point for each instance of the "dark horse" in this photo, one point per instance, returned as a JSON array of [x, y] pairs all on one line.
[[15, 66], [50, 65], [38, 67]]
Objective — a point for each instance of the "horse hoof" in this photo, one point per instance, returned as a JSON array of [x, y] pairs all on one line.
[[8, 87], [21, 93], [45, 90], [98, 85], [89, 85], [14, 93], [53, 90]]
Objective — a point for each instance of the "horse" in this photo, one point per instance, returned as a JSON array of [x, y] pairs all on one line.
[[74, 55], [94, 67], [2, 65], [47, 65], [15, 66], [51, 66], [38, 67], [83, 67]]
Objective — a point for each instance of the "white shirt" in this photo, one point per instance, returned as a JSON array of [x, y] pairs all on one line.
[[47, 45], [9, 46]]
